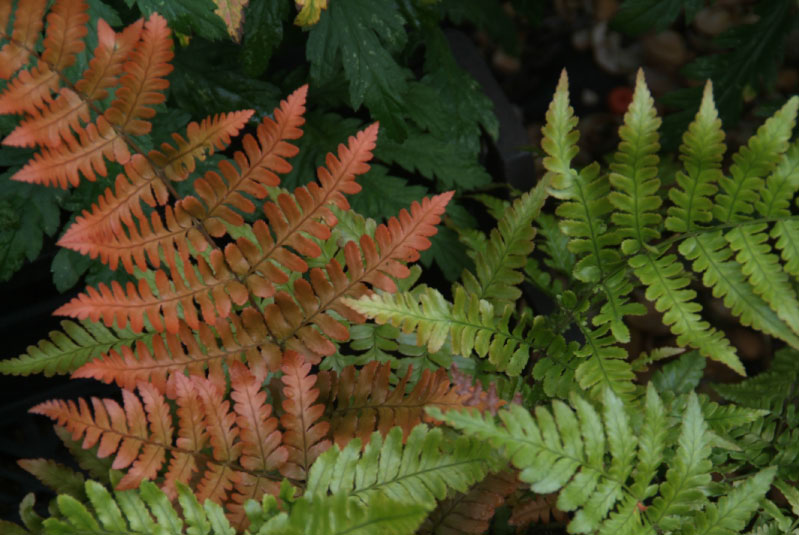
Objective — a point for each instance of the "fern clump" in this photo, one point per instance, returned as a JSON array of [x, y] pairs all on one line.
[[257, 398]]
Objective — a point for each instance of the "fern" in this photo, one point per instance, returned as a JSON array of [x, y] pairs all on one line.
[[245, 372], [604, 467], [148, 510], [68, 350], [425, 469]]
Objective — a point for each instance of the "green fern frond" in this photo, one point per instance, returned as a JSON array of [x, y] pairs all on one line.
[[764, 272], [701, 153], [498, 265], [666, 282], [634, 173], [751, 163], [605, 365], [688, 474], [339, 515], [584, 213], [605, 467], [733, 511], [68, 350], [560, 134], [145, 510], [711, 257], [469, 324], [427, 468]]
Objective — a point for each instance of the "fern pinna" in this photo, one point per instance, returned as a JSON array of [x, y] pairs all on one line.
[[219, 303], [734, 232]]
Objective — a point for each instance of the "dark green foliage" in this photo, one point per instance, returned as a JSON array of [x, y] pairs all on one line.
[[748, 56], [638, 16]]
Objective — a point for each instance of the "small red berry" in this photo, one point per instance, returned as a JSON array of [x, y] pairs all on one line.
[[619, 99]]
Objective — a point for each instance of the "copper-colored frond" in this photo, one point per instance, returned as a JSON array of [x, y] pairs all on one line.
[[365, 402], [209, 286], [60, 165], [100, 233], [213, 133], [144, 80], [27, 25], [122, 432], [66, 28], [264, 155], [68, 111], [471, 512], [304, 436], [186, 351]]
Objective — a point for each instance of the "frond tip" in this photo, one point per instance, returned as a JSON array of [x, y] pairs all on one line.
[[603, 467]]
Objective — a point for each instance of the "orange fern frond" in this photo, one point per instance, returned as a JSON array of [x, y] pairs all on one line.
[[170, 353], [119, 431], [27, 25], [257, 165], [365, 401], [59, 165], [100, 232], [214, 287], [144, 80], [304, 436], [261, 441], [66, 28], [538, 509], [65, 114], [299, 322], [192, 435], [213, 133], [471, 512], [222, 436], [236, 450], [294, 216], [141, 86]]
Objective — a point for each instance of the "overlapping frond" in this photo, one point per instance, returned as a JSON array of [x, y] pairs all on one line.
[[604, 467], [305, 435], [67, 350], [193, 352], [471, 512], [498, 265], [137, 511], [231, 449], [32, 89], [469, 324], [363, 401], [64, 115], [423, 469], [105, 138], [214, 284]]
